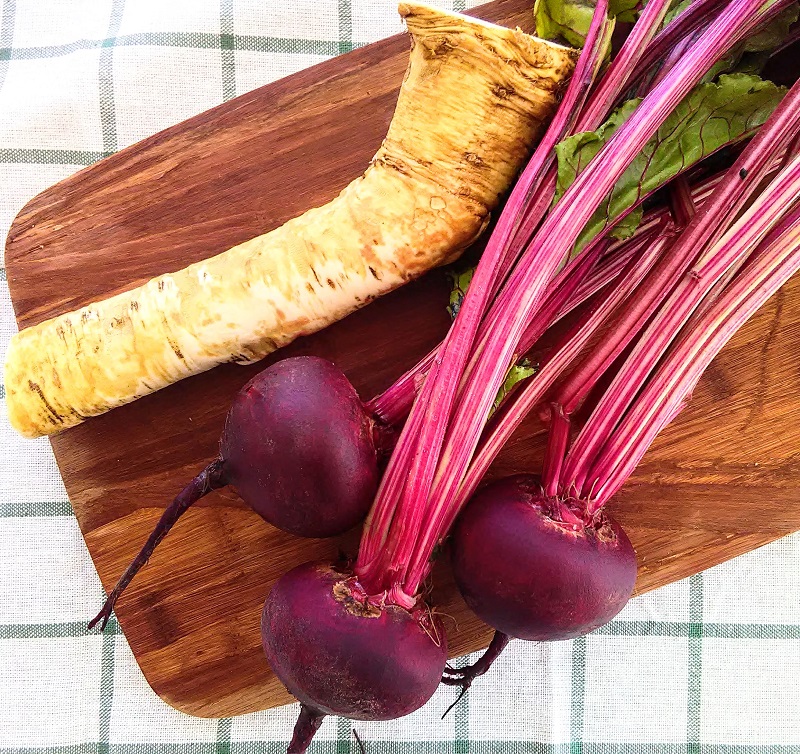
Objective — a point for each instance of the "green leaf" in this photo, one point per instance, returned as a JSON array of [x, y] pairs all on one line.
[[773, 34], [675, 10], [752, 63], [460, 281], [625, 11], [563, 20], [518, 372], [711, 116], [767, 39], [515, 375], [626, 227], [568, 21], [751, 55]]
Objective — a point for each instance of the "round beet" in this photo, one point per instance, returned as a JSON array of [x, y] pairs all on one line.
[[532, 575], [300, 449], [339, 655]]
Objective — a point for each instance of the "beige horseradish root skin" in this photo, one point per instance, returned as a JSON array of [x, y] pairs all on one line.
[[473, 101]]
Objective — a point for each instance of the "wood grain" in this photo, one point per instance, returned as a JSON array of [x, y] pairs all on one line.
[[720, 481]]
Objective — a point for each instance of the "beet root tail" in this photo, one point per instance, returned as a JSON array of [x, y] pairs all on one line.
[[305, 729], [212, 477], [465, 676]]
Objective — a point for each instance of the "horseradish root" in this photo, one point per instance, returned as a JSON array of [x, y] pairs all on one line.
[[471, 105]]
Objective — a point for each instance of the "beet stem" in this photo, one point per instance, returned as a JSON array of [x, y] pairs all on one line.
[[305, 729], [563, 356], [438, 396], [693, 19], [615, 80], [393, 405], [665, 394], [557, 441], [708, 226], [550, 248], [437, 399], [212, 477]]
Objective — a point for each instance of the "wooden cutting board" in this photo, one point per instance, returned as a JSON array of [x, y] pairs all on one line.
[[722, 480]]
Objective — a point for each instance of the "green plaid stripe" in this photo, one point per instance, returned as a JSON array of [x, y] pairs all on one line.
[[461, 743], [345, 26], [224, 735], [73, 630], [51, 156], [578, 695], [35, 510], [106, 699], [695, 681], [6, 37], [107, 115], [373, 746], [227, 49], [226, 39], [344, 731], [617, 628]]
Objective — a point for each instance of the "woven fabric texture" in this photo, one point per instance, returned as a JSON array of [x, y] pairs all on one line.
[[710, 664]]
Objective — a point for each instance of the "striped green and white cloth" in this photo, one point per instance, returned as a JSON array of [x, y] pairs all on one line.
[[711, 664]]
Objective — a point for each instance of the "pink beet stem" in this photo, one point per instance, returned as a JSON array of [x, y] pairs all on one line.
[[512, 415], [578, 385], [741, 239], [553, 242], [708, 225], [675, 54], [615, 79], [441, 384], [394, 405], [775, 261], [590, 116], [557, 440], [681, 202], [697, 16]]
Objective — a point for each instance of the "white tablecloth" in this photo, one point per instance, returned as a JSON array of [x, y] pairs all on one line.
[[709, 664]]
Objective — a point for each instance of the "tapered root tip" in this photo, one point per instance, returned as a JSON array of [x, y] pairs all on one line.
[[103, 616], [464, 677], [464, 688], [210, 478]]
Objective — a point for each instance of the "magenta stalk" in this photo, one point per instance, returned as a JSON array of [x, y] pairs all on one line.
[[551, 245], [707, 226], [439, 391]]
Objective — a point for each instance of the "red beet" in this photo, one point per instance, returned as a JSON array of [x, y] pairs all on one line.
[[299, 448], [340, 655], [535, 569]]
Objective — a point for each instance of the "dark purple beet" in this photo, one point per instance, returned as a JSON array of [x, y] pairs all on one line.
[[339, 655], [298, 446], [532, 576]]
